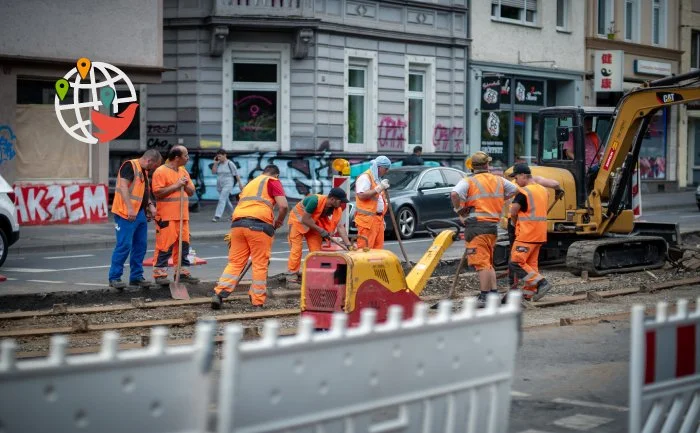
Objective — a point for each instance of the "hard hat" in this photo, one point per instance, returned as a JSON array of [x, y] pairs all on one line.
[[468, 163], [342, 166]]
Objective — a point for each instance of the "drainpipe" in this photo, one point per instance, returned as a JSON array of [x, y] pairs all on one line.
[[682, 135]]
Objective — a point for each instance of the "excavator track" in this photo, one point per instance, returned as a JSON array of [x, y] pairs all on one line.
[[616, 255]]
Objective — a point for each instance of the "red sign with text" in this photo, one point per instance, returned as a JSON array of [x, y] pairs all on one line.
[[61, 204]]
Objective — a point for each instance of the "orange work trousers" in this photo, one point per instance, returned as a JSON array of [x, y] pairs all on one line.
[[371, 237], [296, 245], [166, 247], [247, 243], [524, 265], [480, 252]]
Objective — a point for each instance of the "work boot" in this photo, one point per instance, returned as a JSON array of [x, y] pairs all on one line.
[[293, 280], [162, 280], [187, 278], [260, 307], [542, 288], [141, 283], [481, 300], [216, 302], [117, 284]]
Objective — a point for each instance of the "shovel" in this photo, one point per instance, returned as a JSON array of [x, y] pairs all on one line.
[[177, 289]]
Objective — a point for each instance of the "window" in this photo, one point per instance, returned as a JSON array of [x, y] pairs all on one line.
[[632, 20], [606, 17], [495, 140], [525, 132], [360, 133], [256, 97], [523, 11], [420, 101], [555, 134], [452, 177], [695, 6], [695, 50], [563, 14], [652, 155], [658, 22], [416, 107], [431, 179]]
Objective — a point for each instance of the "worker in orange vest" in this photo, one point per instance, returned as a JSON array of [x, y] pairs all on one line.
[[132, 208], [371, 204], [252, 232], [529, 215], [315, 218], [168, 180], [478, 201]]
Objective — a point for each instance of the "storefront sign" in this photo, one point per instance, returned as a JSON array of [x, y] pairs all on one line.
[[490, 93], [529, 92], [608, 68], [652, 68], [61, 204]]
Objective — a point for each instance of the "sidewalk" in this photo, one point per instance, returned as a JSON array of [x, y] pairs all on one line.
[[668, 200]]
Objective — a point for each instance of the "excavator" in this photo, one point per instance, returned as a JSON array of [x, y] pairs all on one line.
[[592, 228]]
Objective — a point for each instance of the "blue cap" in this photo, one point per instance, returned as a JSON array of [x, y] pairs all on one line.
[[383, 161]]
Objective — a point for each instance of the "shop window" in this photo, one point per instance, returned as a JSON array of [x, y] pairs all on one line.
[[658, 22], [606, 17], [652, 155], [632, 20], [563, 14], [495, 137], [522, 11], [525, 127], [360, 105], [695, 50]]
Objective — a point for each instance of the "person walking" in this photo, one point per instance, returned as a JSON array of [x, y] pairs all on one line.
[[371, 204], [168, 181], [478, 201], [415, 158], [315, 218], [252, 232], [226, 178], [529, 215], [133, 209]]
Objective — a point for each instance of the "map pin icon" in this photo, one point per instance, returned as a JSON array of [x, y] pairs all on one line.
[[83, 66], [107, 96], [62, 87]]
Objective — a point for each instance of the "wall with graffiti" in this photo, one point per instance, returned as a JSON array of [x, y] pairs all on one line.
[[61, 204]]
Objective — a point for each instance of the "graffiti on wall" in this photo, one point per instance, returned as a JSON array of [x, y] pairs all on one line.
[[446, 139], [61, 204], [390, 134], [8, 141], [160, 135]]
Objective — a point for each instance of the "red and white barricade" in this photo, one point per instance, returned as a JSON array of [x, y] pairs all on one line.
[[636, 194], [665, 370], [343, 182]]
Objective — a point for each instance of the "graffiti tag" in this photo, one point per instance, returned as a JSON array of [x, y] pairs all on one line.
[[391, 133], [161, 128], [444, 137], [61, 204], [158, 144], [7, 143]]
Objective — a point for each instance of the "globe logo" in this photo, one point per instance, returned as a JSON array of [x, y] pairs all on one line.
[[93, 85]]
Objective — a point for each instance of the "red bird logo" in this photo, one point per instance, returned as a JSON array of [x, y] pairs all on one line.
[[113, 127]]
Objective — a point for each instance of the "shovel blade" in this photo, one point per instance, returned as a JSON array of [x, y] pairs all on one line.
[[179, 291]]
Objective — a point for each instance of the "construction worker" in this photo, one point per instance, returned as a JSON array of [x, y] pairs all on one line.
[[168, 180], [133, 209], [371, 204], [478, 201], [252, 232], [529, 215], [315, 218]]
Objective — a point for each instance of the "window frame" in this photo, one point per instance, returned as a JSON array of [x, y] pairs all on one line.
[[637, 19], [567, 7], [609, 17], [239, 52], [523, 14], [426, 66], [662, 6], [358, 91], [695, 46], [367, 59]]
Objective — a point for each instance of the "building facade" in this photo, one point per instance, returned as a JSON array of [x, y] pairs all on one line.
[[526, 54], [627, 43], [689, 124], [300, 82]]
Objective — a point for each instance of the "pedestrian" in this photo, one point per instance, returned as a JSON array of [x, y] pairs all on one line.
[[315, 218], [478, 201], [371, 204], [529, 215], [133, 209], [168, 180], [226, 178], [252, 232], [415, 158]]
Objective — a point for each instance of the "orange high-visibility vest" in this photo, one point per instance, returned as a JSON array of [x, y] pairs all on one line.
[[255, 201], [486, 196], [532, 225], [329, 223], [366, 212], [168, 207], [136, 190]]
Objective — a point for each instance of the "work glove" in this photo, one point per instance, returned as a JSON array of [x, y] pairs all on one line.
[[324, 234], [558, 194], [384, 184]]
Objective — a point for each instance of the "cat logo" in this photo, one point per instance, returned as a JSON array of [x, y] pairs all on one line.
[[668, 98]]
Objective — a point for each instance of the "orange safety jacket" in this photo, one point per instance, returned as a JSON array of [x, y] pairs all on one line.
[[532, 225], [329, 223], [168, 207], [255, 201], [366, 213], [485, 196], [136, 190]]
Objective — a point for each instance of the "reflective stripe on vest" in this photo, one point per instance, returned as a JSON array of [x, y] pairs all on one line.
[[487, 205], [531, 206], [255, 201], [136, 190], [532, 224], [366, 210], [259, 197], [328, 222]]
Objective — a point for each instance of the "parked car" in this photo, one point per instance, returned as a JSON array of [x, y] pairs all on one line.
[[9, 227], [417, 194], [697, 197]]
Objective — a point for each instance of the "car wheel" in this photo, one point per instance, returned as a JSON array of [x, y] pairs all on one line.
[[4, 247], [407, 222]]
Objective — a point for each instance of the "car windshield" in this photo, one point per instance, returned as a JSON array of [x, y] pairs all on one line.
[[401, 179]]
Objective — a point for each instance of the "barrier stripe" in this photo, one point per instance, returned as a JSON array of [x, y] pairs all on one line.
[[685, 351], [650, 357], [665, 346]]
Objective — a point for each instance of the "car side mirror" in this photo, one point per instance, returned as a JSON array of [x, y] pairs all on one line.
[[562, 133]]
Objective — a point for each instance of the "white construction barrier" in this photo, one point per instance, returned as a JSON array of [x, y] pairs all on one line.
[[448, 372], [154, 389], [665, 370]]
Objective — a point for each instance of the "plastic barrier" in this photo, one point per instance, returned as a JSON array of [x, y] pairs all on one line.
[[448, 372], [155, 389], [665, 370]]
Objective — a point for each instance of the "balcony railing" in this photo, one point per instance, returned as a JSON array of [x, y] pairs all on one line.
[[268, 8]]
